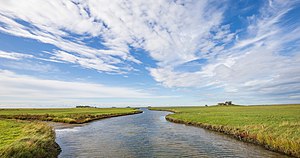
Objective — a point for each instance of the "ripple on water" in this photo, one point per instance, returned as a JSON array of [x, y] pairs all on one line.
[[67, 130], [150, 135]]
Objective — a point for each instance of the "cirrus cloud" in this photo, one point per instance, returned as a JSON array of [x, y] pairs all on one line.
[[254, 54]]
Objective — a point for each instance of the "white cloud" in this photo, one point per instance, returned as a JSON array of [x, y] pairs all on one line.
[[14, 55], [253, 66], [53, 23], [22, 89], [173, 33], [21, 61]]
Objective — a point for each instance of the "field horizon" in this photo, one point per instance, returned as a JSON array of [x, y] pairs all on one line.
[[122, 78]]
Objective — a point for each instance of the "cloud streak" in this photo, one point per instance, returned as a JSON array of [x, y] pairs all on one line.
[[27, 89], [257, 64], [172, 32], [260, 58], [14, 55]]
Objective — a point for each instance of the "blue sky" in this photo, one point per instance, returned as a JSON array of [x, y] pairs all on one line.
[[162, 53]]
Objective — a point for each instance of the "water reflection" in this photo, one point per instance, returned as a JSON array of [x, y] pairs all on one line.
[[150, 135]]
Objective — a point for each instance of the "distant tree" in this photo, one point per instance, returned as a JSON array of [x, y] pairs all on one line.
[[85, 106]]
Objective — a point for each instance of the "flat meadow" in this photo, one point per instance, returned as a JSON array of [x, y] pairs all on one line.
[[24, 134], [65, 115], [276, 127]]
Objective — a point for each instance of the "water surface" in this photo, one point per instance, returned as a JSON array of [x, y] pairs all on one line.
[[150, 135]]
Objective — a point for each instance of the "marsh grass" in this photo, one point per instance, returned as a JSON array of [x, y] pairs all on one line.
[[21, 139], [66, 115], [275, 127]]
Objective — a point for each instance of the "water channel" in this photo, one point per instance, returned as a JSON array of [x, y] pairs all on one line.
[[149, 135]]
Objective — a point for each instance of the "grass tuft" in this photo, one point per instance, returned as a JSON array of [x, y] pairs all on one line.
[[31, 140]]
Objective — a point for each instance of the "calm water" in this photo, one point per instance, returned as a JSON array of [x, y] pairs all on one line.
[[150, 135]]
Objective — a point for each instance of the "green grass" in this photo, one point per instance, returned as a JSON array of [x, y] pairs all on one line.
[[276, 127], [26, 139], [22, 139], [66, 115], [10, 131]]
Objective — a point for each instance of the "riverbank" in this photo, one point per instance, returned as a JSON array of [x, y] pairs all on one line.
[[66, 115], [27, 139], [275, 127], [24, 135]]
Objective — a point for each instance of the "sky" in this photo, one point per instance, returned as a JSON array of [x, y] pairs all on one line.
[[104, 53]]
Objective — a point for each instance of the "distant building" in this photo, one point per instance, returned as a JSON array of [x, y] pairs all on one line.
[[227, 103]]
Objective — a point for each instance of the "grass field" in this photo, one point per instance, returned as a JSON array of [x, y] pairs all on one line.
[[66, 115], [276, 127], [27, 139]]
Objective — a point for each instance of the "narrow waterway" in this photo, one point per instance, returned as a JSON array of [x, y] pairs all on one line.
[[149, 135]]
